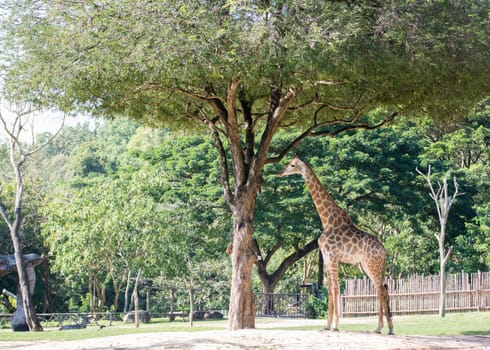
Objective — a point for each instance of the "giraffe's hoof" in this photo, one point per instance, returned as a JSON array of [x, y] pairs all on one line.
[[326, 329], [335, 329], [377, 331], [391, 333]]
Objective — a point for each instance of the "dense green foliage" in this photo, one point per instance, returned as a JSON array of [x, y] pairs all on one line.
[[145, 58], [151, 201]]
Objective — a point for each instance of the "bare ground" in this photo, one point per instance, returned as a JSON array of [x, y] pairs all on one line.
[[266, 337]]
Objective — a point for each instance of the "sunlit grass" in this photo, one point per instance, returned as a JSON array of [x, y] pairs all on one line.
[[117, 328], [469, 323]]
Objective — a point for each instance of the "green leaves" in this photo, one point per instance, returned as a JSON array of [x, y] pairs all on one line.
[[412, 55]]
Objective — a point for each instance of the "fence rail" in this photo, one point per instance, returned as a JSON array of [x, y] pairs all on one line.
[[419, 294]]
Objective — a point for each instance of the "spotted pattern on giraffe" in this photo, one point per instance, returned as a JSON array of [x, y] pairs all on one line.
[[342, 241]]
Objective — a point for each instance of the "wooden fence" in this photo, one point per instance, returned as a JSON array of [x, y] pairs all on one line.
[[419, 294]]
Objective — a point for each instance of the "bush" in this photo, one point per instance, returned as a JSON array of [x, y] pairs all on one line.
[[317, 307]]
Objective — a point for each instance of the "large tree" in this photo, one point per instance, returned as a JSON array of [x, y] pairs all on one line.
[[244, 70]]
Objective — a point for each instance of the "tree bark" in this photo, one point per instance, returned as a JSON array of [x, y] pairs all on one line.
[[126, 292], [136, 301], [191, 304], [148, 290], [442, 297], [30, 312], [48, 305], [242, 304]]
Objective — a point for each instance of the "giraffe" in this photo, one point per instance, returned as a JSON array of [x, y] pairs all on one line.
[[342, 241]]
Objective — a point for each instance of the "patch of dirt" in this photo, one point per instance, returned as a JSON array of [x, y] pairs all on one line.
[[266, 337]]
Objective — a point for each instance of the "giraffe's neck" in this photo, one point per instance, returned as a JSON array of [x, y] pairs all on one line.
[[330, 213]]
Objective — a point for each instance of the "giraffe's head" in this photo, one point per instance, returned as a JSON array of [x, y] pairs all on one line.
[[296, 166]]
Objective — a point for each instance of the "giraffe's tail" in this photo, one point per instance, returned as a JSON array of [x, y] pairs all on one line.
[[388, 310]]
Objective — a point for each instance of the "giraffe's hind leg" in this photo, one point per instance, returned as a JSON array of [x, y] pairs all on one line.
[[384, 309], [375, 271], [388, 311], [381, 298]]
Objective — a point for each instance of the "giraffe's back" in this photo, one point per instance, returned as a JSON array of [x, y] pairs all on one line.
[[351, 245]]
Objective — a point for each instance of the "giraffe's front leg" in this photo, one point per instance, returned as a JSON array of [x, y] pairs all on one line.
[[333, 296], [330, 303], [336, 303]]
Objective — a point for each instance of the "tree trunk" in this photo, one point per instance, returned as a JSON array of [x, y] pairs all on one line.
[[136, 301], [117, 292], [172, 300], [242, 304], [444, 256], [126, 293], [116, 283], [442, 297], [148, 299], [91, 293], [191, 304], [268, 298], [48, 305], [26, 300]]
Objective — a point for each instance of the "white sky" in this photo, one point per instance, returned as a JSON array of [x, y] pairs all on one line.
[[41, 122]]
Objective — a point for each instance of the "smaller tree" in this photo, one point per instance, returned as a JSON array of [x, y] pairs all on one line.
[[443, 201], [18, 154]]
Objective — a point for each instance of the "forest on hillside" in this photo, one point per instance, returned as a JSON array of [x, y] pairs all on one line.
[[105, 203]]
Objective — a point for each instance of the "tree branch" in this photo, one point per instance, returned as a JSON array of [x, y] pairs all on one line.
[[292, 258], [233, 134], [365, 126], [5, 217], [448, 254], [40, 147], [215, 134], [310, 131], [273, 122]]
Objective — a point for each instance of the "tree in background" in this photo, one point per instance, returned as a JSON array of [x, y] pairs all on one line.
[[443, 201], [19, 152], [466, 147], [243, 71]]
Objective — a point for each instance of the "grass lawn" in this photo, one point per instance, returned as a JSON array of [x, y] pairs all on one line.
[[117, 328], [469, 323]]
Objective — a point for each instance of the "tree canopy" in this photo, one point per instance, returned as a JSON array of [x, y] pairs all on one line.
[[148, 59]]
